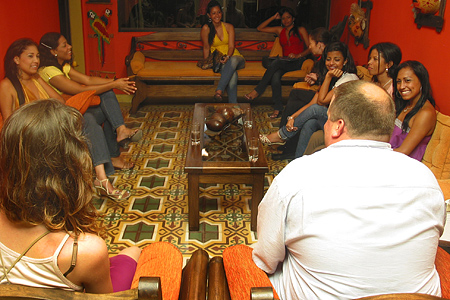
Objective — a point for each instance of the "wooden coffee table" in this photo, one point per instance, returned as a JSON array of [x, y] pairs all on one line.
[[227, 163]]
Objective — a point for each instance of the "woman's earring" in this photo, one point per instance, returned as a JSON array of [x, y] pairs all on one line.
[[397, 94], [56, 55], [387, 69]]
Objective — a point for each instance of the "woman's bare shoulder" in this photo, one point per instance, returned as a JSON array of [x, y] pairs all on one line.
[[6, 84]]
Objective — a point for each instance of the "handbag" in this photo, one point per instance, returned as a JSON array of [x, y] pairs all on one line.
[[206, 63], [217, 61]]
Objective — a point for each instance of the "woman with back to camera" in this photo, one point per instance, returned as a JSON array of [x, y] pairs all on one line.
[[415, 108], [295, 43], [337, 67], [22, 85], [47, 204], [219, 35]]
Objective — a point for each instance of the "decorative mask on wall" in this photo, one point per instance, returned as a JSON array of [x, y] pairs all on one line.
[[357, 21], [427, 6]]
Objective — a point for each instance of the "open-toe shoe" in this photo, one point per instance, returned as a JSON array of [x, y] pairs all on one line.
[[218, 97], [265, 140], [135, 137], [275, 114], [248, 97], [114, 194]]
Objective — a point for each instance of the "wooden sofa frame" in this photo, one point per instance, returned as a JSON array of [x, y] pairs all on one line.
[[159, 46]]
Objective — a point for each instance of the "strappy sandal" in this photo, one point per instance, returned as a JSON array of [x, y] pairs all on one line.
[[135, 137], [218, 97], [275, 114], [115, 194], [265, 140], [248, 97]]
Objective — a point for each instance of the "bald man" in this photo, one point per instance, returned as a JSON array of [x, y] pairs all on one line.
[[355, 219]]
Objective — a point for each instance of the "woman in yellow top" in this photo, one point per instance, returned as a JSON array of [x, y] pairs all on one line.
[[219, 35], [22, 85]]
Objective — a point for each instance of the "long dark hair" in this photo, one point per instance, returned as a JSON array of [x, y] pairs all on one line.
[[48, 42], [294, 29], [212, 29], [349, 67], [427, 94], [391, 53], [11, 68], [321, 35]]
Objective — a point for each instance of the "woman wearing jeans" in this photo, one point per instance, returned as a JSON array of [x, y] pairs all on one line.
[[218, 35], [104, 124], [340, 68]]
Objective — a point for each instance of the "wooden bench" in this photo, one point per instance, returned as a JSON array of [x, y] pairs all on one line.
[[149, 289], [164, 66]]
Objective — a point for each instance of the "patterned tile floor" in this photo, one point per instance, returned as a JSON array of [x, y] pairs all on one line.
[[157, 209]]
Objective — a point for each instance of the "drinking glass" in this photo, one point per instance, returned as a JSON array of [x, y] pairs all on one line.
[[195, 134], [253, 149]]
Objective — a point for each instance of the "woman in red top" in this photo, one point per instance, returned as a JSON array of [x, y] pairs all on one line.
[[295, 43]]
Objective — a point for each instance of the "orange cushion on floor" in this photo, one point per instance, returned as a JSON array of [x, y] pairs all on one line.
[[162, 260], [242, 273]]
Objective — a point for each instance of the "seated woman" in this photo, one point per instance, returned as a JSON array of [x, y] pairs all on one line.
[[319, 38], [23, 85], [220, 35], [295, 43], [382, 61], [55, 69], [340, 68], [415, 107], [49, 233]]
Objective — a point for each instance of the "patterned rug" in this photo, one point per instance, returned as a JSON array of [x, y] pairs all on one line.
[[158, 207]]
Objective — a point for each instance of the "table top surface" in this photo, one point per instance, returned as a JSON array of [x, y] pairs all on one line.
[[224, 152]]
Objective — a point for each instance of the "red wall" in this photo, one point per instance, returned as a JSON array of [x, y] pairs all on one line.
[[393, 21], [25, 18]]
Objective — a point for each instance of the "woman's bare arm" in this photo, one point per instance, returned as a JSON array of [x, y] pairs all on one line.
[[80, 83], [204, 37], [275, 29], [422, 125]]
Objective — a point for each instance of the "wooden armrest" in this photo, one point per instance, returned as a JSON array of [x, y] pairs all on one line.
[[217, 281], [193, 281], [261, 293], [149, 289]]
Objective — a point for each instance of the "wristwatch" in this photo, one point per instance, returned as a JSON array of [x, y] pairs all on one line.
[[290, 118]]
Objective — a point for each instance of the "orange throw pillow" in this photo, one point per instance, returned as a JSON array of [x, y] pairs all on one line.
[[83, 100]]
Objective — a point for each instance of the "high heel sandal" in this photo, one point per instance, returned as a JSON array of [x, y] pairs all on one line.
[[248, 98], [265, 140], [218, 97], [135, 137], [115, 194]]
